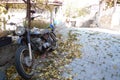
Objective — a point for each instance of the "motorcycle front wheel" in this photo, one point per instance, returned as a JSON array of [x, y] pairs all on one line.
[[24, 65]]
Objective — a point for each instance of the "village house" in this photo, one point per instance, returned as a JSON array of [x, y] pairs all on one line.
[[13, 11]]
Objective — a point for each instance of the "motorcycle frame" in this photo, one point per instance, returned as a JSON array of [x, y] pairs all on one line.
[[25, 40]]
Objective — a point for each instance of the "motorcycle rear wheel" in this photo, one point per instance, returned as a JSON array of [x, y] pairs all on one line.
[[24, 65]]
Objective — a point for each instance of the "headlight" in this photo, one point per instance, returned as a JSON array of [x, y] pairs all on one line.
[[20, 30]]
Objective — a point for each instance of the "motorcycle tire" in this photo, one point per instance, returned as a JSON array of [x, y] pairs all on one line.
[[19, 65]]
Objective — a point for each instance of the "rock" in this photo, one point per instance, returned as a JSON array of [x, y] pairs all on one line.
[[2, 76]]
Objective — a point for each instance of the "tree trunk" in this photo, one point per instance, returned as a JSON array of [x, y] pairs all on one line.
[[100, 3], [115, 2], [113, 15], [28, 16], [99, 13]]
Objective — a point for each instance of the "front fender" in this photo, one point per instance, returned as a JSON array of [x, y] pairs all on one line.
[[20, 40]]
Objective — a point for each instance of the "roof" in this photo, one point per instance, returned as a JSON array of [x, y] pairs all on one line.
[[50, 2], [57, 2], [12, 1]]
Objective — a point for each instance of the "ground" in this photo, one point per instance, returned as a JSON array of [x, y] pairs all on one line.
[[100, 55]]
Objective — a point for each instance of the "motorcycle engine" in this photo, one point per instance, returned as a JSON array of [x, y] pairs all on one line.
[[41, 44], [44, 42]]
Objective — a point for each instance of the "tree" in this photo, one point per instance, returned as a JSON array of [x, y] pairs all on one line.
[[44, 5], [110, 4]]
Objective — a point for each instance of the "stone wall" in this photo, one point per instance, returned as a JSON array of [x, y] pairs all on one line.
[[110, 20]]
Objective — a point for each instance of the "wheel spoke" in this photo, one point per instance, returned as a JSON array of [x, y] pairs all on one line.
[[26, 63]]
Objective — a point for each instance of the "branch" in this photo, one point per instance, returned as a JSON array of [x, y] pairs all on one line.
[[25, 1], [2, 5]]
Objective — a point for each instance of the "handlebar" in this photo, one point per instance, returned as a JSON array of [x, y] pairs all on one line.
[[32, 11], [11, 23], [14, 24]]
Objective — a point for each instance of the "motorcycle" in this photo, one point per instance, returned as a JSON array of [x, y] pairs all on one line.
[[31, 41]]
